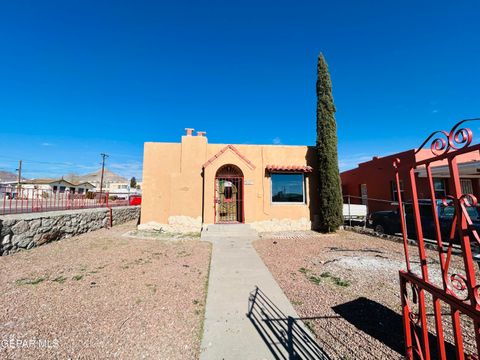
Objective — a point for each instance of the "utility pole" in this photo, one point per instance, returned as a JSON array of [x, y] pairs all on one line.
[[103, 169], [19, 180]]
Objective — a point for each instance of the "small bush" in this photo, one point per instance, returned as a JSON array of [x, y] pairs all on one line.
[[315, 279], [340, 282], [60, 279], [26, 281]]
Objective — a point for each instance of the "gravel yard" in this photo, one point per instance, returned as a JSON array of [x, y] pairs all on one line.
[[347, 286], [103, 295]]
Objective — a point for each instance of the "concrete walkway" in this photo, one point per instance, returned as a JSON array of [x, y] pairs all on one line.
[[270, 332]]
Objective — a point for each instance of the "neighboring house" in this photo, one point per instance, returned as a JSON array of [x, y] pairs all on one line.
[[373, 181], [109, 178], [219, 183], [57, 186], [121, 189], [7, 188], [8, 181]]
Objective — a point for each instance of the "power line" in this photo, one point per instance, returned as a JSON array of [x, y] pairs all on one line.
[[60, 167], [40, 162], [43, 162], [103, 169]]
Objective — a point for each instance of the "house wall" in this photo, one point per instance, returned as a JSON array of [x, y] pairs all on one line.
[[378, 174], [173, 185]]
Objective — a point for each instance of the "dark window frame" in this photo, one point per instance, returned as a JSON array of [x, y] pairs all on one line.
[[440, 193], [394, 192], [304, 188]]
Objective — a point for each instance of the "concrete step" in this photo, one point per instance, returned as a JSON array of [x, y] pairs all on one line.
[[229, 230]]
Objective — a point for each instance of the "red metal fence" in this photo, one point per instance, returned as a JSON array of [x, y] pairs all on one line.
[[14, 200], [455, 298]]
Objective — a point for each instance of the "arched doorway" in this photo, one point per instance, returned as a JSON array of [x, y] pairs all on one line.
[[229, 195]]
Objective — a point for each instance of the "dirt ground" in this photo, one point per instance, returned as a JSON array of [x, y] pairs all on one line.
[[102, 295], [345, 286]]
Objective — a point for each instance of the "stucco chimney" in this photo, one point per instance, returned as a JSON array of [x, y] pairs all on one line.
[[189, 131], [201, 133]]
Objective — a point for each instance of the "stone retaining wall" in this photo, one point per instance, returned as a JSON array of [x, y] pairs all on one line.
[[176, 224], [274, 225], [187, 224], [24, 231]]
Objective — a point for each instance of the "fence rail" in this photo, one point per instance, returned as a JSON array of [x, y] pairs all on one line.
[[20, 201], [354, 213], [456, 301]]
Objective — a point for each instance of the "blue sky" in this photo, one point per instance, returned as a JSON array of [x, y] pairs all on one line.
[[81, 78]]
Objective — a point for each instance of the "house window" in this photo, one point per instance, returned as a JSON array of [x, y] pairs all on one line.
[[440, 188], [288, 188], [393, 186], [55, 187], [364, 193], [80, 190], [62, 189], [467, 186]]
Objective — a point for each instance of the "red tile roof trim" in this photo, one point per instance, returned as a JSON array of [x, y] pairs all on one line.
[[300, 168], [235, 150]]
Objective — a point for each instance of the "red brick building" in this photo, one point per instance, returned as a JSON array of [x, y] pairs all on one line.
[[372, 182]]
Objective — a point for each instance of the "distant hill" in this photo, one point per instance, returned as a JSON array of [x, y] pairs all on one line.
[[8, 176], [94, 178]]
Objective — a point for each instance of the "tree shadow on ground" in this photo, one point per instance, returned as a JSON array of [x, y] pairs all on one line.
[[383, 324], [285, 336]]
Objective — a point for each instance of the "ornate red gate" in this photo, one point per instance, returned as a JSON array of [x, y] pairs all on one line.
[[452, 293]]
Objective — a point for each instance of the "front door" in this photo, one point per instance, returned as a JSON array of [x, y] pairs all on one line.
[[229, 195], [228, 199]]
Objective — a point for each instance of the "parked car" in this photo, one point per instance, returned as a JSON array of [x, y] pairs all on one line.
[[135, 200], [385, 222], [388, 222]]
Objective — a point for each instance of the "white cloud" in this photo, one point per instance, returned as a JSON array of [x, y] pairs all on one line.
[[46, 144], [127, 169], [87, 167], [434, 111], [277, 141], [135, 165], [352, 161]]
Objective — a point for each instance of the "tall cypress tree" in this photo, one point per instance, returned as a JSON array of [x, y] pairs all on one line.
[[330, 212]]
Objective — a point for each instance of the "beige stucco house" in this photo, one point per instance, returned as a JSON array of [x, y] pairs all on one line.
[[194, 183]]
